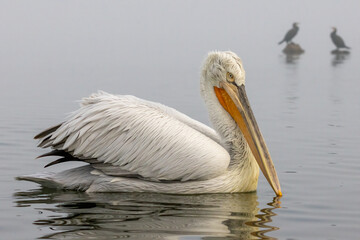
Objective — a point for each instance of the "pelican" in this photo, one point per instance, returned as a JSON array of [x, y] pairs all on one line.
[[134, 145]]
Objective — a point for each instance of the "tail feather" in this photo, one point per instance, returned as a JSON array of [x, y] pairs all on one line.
[[60, 160], [47, 131], [79, 179], [65, 157], [44, 142], [55, 152], [45, 179]]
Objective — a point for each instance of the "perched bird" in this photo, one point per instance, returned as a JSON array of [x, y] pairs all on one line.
[[290, 34], [337, 40], [134, 145]]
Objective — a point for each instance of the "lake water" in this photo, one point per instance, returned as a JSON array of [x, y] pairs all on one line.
[[308, 107]]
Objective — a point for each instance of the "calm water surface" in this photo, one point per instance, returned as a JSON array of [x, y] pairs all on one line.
[[308, 108]]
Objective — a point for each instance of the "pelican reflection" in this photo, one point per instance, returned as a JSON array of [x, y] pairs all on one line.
[[147, 215]]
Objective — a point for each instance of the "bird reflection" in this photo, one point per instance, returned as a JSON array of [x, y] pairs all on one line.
[[292, 58], [148, 216], [339, 58]]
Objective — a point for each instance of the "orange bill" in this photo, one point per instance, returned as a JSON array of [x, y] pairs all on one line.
[[235, 102]]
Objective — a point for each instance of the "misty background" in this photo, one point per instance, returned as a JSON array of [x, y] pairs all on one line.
[[53, 53]]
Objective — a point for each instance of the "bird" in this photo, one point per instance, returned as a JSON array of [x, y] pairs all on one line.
[[135, 145], [290, 34], [337, 40]]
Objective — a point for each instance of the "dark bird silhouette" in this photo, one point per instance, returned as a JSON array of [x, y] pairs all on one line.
[[337, 40], [290, 34]]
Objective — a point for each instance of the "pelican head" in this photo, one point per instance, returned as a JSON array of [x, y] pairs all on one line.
[[223, 87]]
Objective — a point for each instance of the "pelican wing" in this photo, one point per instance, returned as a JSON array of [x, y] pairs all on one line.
[[138, 137]]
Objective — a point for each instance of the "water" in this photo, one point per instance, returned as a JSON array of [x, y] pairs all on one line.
[[148, 216], [54, 53]]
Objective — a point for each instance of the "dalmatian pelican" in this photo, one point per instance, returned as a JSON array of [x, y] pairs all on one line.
[[134, 145]]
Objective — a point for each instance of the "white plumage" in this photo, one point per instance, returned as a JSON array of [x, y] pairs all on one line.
[[141, 137], [137, 145]]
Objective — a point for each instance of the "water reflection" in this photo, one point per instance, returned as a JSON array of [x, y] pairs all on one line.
[[265, 217], [148, 216], [339, 57], [291, 58]]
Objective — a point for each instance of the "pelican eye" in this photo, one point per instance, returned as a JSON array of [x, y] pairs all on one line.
[[230, 77]]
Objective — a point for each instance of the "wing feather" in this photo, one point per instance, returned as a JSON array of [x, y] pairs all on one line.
[[140, 138]]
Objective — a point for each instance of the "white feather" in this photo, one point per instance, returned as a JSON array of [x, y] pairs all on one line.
[[142, 137]]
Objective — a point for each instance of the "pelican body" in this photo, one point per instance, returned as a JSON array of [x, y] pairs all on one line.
[[134, 145]]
